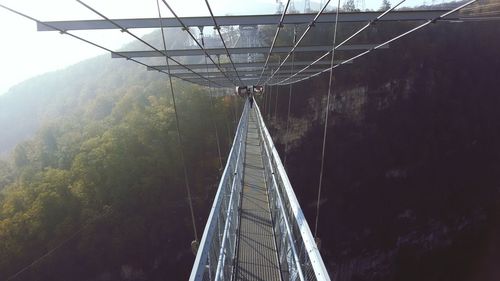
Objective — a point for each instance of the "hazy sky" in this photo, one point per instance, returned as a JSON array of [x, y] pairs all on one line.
[[25, 53]]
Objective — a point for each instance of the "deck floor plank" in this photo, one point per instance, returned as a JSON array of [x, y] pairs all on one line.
[[257, 259]]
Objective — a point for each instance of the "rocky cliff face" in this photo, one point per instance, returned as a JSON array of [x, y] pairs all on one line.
[[412, 168]]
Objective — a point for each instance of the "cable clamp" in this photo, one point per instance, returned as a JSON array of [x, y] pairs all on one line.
[[436, 19]]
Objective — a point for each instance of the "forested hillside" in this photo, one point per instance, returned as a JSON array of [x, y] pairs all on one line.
[[76, 90], [103, 173]]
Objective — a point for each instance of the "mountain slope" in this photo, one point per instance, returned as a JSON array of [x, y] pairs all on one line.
[[101, 167]]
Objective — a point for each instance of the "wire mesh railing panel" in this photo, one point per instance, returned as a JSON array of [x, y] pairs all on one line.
[[298, 254], [215, 256]]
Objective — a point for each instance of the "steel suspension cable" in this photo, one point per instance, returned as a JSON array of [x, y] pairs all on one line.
[[268, 98], [356, 33], [186, 28], [278, 29], [384, 43], [277, 94], [270, 104], [228, 130], [276, 104], [217, 27], [139, 39], [328, 102], [264, 103], [268, 113], [179, 136], [287, 140], [235, 110], [311, 25], [229, 133], [212, 106], [327, 109]]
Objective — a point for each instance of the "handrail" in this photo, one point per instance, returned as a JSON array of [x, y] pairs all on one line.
[[298, 255], [281, 225], [309, 264], [232, 217], [211, 259]]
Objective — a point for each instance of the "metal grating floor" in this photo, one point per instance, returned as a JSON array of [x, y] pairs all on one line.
[[257, 259]]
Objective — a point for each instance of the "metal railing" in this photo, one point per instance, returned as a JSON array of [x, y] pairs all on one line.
[[215, 257], [298, 254]]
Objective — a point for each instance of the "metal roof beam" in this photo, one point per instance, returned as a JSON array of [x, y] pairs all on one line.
[[218, 78], [272, 19], [238, 65], [236, 51], [254, 78], [222, 78], [243, 73]]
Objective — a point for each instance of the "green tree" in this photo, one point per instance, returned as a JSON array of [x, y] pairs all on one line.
[[386, 5], [349, 6]]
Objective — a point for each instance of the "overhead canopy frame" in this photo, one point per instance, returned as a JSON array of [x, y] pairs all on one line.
[[175, 68], [270, 19], [239, 51]]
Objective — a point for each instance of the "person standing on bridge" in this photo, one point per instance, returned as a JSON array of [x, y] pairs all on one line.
[[250, 99]]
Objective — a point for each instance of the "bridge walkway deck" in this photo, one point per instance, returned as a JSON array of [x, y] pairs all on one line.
[[257, 258]]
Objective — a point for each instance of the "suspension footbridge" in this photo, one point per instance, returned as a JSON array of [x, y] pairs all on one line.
[[256, 229]]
